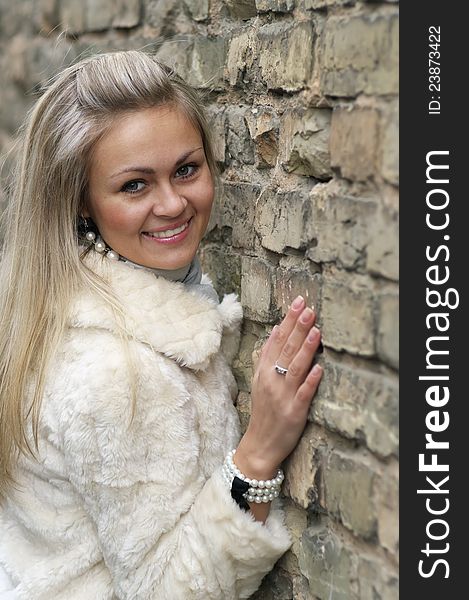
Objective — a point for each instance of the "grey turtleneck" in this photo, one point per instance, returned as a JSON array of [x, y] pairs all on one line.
[[190, 275]]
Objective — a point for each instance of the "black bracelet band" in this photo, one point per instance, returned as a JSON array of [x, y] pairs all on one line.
[[238, 488]]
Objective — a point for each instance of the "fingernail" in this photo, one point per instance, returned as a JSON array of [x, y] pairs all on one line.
[[298, 302], [313, 334], [316, 370], [306, 315]]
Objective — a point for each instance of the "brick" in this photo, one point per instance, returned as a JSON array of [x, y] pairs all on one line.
[[267, 149], [46, 15], [354, 232], [348, 486], [244, 365], [257, 289], [73, 16], [354, 142], [11, 119], [42, 60], [389, 165], [389, 196], [296, 521], [276, 585], [234, 208], [295, 280], [263, 127], [13, 69], [239, 146], [127, 14], [388, 329], [199, 9], [301, 469], [240, 57], [280, 46], [282, 6], [282, 220], [262, 334], [217, 120], [375, 579], [327, 3], [307, 143], [167, 18], [383, 246], [98, 14], [342, 226], [16, 17], [359, 404], [301, 588], [175, 53], [360, 54], [223, 267], [387, 502], [207, 63], [242, 198], [366, 227], [347, 314], [358, 233], [243, 406], [241, 9], [326, 563]]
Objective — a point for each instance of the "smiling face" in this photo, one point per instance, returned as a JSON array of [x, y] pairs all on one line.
[[150, 190]]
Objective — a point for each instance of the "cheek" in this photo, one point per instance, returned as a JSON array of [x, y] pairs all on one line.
[[117, 218], [206, 196]]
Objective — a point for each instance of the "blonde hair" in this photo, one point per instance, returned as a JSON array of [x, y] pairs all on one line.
[[41, 268]]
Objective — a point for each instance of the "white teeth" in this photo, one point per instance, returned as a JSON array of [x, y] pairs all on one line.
[[169, 232]]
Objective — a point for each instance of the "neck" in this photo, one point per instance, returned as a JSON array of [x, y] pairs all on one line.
[[171, 274]]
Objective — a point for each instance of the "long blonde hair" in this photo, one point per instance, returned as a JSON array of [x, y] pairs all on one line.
[[41, 268]]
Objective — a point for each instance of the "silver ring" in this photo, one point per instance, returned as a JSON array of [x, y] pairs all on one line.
[[280, 370]]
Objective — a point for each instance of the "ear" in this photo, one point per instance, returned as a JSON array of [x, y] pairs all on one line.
[[83, 204]]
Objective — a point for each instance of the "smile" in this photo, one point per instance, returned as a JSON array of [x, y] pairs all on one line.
[[170, 235], [169, 232]]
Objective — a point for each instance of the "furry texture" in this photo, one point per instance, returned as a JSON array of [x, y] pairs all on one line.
[[138, 511]]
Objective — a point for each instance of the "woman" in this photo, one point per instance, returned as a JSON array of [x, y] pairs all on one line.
[[122, 470]]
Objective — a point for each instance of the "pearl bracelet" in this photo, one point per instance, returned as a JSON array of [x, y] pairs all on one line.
[[258, 490]]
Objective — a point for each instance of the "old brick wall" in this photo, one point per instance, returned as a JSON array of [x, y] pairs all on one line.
[[303, 100]]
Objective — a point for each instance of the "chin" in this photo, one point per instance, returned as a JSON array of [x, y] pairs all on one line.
[[169, 265]]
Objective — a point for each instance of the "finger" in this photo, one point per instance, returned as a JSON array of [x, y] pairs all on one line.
[[301, 363], [280, 333], [268, 342], [308, 388], [296, 338]]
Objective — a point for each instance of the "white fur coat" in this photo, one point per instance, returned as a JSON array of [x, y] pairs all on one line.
[[138, 510]]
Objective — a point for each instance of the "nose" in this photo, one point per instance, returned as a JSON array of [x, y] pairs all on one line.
[[169, 202]]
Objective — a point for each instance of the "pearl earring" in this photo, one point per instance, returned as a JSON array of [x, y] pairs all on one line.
[[88, 230]]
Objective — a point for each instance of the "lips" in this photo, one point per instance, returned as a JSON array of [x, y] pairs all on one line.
[[167, 233], [169, 236]]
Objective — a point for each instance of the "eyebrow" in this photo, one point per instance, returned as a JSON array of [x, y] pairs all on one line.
[[151, 171]]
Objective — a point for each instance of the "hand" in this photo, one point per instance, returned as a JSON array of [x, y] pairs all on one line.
[[280, 403]]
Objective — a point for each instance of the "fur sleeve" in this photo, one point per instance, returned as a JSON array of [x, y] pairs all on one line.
[[165, 528], [233, 313]]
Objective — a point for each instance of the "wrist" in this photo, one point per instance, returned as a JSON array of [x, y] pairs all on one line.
[[252, 465], [246, 490]]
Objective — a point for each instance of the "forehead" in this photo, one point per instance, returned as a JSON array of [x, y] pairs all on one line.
[[156, 133]]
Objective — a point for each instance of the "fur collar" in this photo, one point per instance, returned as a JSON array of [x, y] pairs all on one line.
[[166, 315]]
